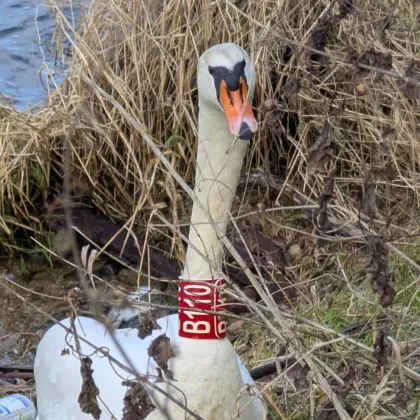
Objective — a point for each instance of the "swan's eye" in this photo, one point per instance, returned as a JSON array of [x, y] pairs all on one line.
[[243, 64], [212, 70]]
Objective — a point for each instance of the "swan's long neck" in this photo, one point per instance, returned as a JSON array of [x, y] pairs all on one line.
[[219, 161]]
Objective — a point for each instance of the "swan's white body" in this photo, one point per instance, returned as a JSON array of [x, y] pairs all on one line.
[[59, 383], [209, 376]]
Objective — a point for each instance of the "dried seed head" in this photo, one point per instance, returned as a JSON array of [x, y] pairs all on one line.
[[261, 207], [269, 104], [361, 89]]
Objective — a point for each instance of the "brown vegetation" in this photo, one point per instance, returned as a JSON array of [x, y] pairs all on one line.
[[328, 206]]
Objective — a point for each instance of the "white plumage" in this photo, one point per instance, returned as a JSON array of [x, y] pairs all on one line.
[[210, 379]]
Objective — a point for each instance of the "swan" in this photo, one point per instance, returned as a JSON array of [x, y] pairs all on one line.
[[208, 376]]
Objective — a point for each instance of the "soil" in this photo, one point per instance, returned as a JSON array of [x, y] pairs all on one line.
[[39, 285]]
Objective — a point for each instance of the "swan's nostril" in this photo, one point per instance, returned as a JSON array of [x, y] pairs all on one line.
[[245, 132]]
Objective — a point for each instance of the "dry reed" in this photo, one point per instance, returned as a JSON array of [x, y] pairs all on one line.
[[337, 98]]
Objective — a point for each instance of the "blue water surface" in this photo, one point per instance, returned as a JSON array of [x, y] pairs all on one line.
[[27, 60]]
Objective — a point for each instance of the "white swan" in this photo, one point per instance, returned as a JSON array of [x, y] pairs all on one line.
[[209, 376]]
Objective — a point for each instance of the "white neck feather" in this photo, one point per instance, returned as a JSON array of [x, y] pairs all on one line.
[[219, 161]]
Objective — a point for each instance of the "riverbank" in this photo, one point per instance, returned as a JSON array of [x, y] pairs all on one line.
[[328, 203]]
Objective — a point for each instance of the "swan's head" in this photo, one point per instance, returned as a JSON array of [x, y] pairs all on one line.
[[226, 80]]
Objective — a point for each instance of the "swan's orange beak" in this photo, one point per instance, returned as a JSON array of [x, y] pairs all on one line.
[[238, 112]]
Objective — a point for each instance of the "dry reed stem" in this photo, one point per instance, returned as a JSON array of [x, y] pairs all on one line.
[[132, 79]]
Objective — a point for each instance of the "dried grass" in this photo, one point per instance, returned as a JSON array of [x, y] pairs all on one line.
[[330, 102]]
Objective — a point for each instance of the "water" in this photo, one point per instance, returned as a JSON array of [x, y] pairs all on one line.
[[26, 64]]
